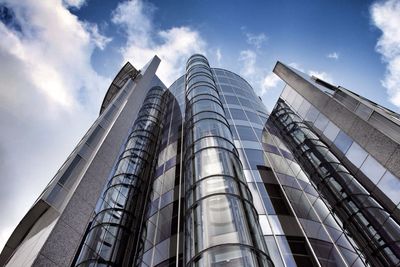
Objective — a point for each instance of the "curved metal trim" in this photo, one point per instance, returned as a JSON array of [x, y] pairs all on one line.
[[126, 72]]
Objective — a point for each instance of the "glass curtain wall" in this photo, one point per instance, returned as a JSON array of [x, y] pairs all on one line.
[[163, 230], [221, 222], [373, 229], [112, 237]]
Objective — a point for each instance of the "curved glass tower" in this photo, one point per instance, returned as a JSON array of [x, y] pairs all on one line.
[[201, 174], [221, 221]]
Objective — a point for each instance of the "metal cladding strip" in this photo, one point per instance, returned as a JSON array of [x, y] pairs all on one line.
[[375, 232], [221, 225], [112, 235]]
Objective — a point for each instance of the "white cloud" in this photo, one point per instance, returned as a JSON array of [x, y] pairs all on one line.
[[218, 55], [74, 3], [98, 39], [296, 66], [270, 81], [321, 75], [256, 39], [385, 16], [173, 46], [248, 58], [49, 95], [333, 55], [260, 78]]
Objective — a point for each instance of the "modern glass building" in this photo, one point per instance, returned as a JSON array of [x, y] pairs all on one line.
[[201, 174]]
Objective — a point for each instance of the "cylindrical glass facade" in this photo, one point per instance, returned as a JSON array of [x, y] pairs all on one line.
[[221, 221], [374, 230], [113, 235]]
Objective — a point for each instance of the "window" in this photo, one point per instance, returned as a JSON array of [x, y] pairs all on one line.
[[246, 133], [363, 111], [304, 107], [253, 117], [93, 138], [278, 200], [255, 157], [331, 131], [343, 142], [226, 89], [245, 102], [312, 114], [390, 185], [373, 169], [67, 174], [321, 122], [238, 114], [232, 100], [265, 227], [356, 154]]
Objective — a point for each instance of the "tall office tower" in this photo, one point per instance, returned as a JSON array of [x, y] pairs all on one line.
[[200, 174]]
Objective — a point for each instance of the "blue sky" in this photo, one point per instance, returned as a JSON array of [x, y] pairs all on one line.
[[57, 59], [300, 32]]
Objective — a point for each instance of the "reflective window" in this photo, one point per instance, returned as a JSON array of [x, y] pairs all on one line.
[[303, 109], [210, 128], [295, 251], [274, 251], [255, 157], [278, 200], [321, 122], [245, 102], [232, 100], [363, 111], [291, 96], [312, 114], [285, 92], [212, 161], [373, 169], [390, 185], [226, 88], [331, 131], [276, 225], [72, 166], [343, 141], [356, 154], [238, 114], [246, 133], [253, 117], [94, 136], [217, 220], [265, 227], [297, 102]]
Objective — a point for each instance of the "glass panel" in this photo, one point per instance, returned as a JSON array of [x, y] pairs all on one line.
[[390, 185], [255, 157], [276, 225], [321, 122], [303, 109], [331, 131], [297, 102], [274, 251], [265, 227], [246, 133], [285, 248], [363, 111], [245, 102], [343, 141], [231, 100], [356, 154], [312, 114], [373, 169], [238, 114]]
